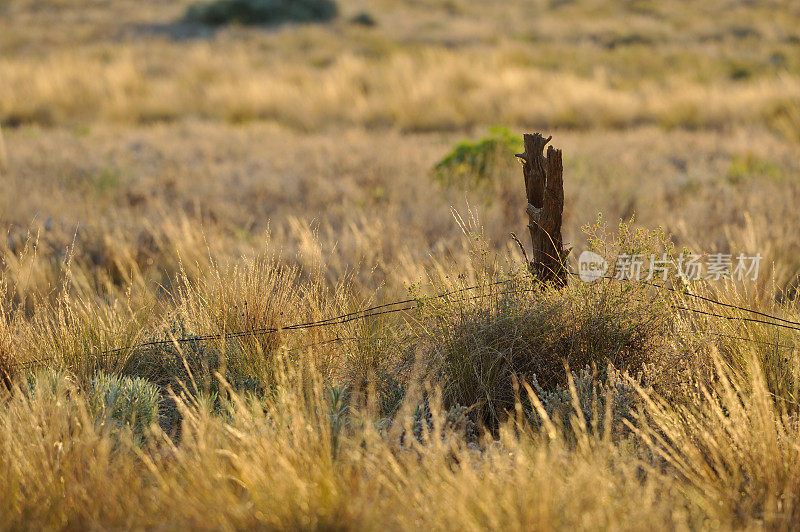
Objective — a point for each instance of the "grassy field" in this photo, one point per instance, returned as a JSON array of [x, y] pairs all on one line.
[[164, 182]]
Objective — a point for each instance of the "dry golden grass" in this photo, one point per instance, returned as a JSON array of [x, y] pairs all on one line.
[[728, 461], [345, 437]]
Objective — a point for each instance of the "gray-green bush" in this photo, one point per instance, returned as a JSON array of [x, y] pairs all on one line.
[[262, 11], [604, 399], [124, 402]]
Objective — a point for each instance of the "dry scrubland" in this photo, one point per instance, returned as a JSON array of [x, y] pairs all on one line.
[[163, 181]]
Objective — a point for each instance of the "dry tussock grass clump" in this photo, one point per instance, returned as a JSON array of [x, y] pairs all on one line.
[[258, 296], [736, 456], [745, 337], [476, 349]]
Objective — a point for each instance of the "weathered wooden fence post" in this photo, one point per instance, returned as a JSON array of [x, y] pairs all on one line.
[[544, 187]]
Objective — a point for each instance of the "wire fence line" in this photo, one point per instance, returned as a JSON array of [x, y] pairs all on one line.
[[416, 303], [751, 340], [796, 324], [370, 312], [738, 318]]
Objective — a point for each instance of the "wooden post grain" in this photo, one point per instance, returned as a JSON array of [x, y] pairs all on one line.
[[544, 187]]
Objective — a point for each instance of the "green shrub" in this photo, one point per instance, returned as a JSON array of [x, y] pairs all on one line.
[[338, 413], [110, 401], [262, 11], [122, 401], [476, 163]]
